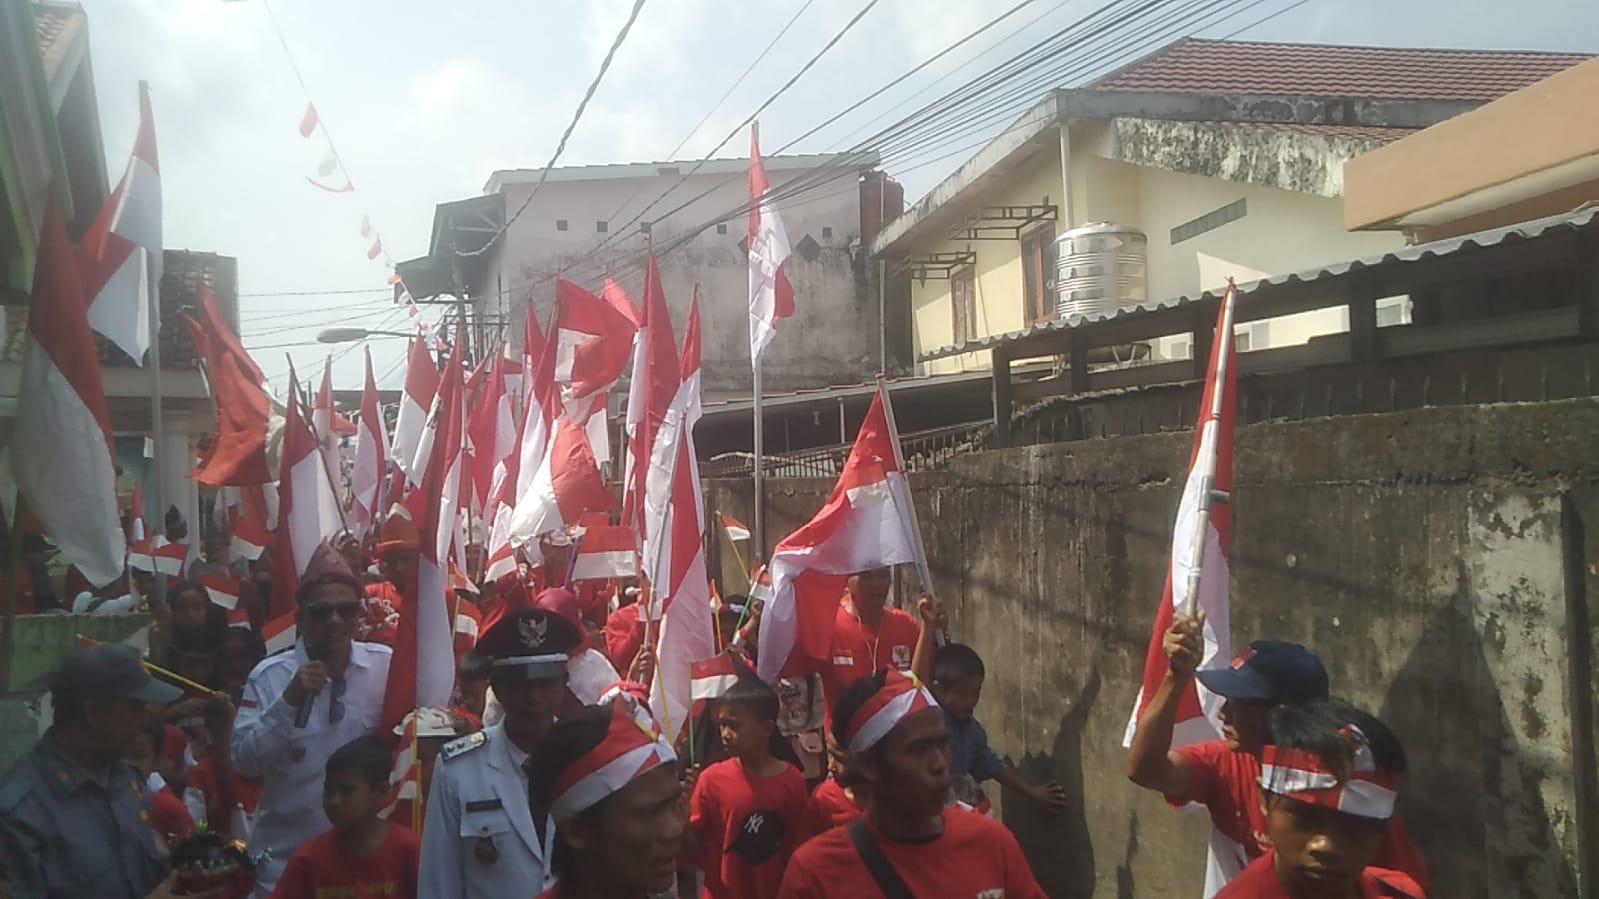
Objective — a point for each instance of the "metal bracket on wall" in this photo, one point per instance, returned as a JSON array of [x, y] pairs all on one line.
[[937, 265], [1002, 222]]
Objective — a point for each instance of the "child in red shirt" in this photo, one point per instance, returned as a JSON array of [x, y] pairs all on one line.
[[228, 799], [839, 799], [363, 855], [745, 813], [1329, 779], [167, 814]]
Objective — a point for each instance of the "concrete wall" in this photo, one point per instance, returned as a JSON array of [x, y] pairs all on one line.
[[1436, 560], [833, 337]]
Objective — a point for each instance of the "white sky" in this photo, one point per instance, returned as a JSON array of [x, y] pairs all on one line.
[[426, 99]]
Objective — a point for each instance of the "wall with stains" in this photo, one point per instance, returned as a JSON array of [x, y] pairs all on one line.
[[1436, 560]]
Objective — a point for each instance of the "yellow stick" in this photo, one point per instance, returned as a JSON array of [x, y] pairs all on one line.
[[153, 668]]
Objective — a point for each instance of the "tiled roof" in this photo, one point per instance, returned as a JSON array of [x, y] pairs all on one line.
[[55, 24], [181, 275], [1193, 65]]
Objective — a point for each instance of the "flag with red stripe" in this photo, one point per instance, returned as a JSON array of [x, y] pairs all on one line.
[[371, 458], [771, 294], [121, 253], [238, 454]]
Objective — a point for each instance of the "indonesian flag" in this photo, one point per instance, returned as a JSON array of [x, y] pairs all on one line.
[[422, 669], [684, 606], [62, 458], [138, 531], [239, 454], [163, 558], [566, 484], [308, 513], [324, 425], [593, 341], [416, 399], [491, 434], [371, 458], [220, 588], [737, 531], [605, 551], [710, 678], [771, 296], [656, 377], [1198, 708], [515, 477], [247, 523], [121, 253], [864, 525]]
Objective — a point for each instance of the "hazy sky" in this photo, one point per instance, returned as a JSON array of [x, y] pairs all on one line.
[[426, 99]]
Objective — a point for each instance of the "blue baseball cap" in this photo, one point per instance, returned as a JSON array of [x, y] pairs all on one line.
[[1270, 671]]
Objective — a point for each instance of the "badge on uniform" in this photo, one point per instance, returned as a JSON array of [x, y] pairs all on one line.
[[902, 656], [533, 631], [486, 851]]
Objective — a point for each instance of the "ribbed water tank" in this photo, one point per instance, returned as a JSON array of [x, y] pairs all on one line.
[[1100, 268]]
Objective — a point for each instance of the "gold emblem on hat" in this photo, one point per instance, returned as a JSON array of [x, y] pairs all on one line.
[[533, 631]]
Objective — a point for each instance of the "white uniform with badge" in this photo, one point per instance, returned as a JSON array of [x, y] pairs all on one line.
[[478, 841]]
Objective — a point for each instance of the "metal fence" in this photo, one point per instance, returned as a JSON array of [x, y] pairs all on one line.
[[923, 450]]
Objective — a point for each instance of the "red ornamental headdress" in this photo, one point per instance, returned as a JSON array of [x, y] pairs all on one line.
[[900, 698]]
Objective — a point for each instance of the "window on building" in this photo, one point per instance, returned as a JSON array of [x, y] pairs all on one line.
[[963, 296], [1038, 274], [602, 227], [1393, 311], [826, 232], [644, 227], [560, 224], [1179, 349], [722, 228], [1242, 341]]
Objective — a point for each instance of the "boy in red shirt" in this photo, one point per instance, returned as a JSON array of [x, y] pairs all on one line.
[[1329, 779], [363, 855], [745, 814], [896, 731], [226, 799], [167, 813], [837, 800], [1222, 774]]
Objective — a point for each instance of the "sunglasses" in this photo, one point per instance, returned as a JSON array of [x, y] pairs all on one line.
[[322, 611]]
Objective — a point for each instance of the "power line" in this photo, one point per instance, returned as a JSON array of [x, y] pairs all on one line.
[[560, 147], [318, 293]]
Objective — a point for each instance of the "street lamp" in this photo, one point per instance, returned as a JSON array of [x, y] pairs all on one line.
[[349, 335]]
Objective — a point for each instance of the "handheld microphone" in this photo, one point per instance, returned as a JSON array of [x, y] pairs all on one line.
[[314, 652]]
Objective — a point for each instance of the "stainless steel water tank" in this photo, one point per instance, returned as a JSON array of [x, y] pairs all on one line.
[[1099, 268]]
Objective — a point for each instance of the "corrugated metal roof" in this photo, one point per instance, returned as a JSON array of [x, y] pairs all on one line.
[[1572, 221], [1327, 70]]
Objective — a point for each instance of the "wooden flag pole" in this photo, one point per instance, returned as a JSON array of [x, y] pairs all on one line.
[[1208, 495]]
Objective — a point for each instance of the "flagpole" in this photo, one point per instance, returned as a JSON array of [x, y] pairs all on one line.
[[760, 467], [153, 297], [1208, 495]]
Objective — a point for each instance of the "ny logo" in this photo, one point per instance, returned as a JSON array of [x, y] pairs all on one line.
[[752, 824]]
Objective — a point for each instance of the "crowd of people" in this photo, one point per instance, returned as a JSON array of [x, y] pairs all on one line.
[[548, 774]]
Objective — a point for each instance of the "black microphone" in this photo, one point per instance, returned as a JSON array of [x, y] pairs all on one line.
[[314, 652]]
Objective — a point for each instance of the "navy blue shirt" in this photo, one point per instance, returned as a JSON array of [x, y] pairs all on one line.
[[969, 752]]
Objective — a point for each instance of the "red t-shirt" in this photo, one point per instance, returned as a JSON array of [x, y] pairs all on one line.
[[974, 856], [168, 815], [322, 868], [1227, 783], [747, 828], [624, 634], [1259, 881], [220, 802], [828, 807], [857, 651]]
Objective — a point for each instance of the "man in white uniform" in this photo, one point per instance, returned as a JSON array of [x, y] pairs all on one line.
[[484, 837], [302, 704]]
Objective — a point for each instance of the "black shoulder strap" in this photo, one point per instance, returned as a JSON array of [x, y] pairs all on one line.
[[877, 864]]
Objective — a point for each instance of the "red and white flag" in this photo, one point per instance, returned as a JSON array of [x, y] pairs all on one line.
[[422, 669], [771, 295], [62, 458], [162, 558], [737, 531], [593, 342], [656, 377], [220, 588], [605, 551], [491, 435], [371, 458], [138, 531], [684, 605], [308, 513], [416, 400], [120, 257], [238, 454], [865, 524], [326, 423], [566, 484], [1198, 708], [251, 521], [515, 477], [712, 677]]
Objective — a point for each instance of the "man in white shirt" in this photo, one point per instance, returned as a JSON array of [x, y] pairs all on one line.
[[302, 704]]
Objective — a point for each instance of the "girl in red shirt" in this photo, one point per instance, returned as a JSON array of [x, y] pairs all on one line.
[[363, 855]]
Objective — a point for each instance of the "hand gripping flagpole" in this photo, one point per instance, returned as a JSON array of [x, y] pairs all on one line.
[[1208, 495]]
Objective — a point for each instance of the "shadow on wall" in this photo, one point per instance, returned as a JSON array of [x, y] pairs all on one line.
[[1478, 835], [1066, 839]]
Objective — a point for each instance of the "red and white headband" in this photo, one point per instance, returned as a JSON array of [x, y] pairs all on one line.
[[633, 746], [900, 698], [1306, 777]]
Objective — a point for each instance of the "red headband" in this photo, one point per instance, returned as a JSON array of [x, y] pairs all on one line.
[[633, 746], [900, 698], [1306, 777]]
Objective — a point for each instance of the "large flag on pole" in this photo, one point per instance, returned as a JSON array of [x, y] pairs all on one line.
[[416, 399], [865, 524], [680, 587], [63, 462], [120, 257], [771, 296], [515, 476], [371, 458], [308, 513], [656, 377], [593, 342], [1198, 571], [239, 454]]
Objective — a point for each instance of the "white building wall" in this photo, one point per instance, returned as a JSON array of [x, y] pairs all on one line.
[[833, 337]]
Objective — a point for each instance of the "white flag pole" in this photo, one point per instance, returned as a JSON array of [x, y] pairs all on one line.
[[1208, 495]]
